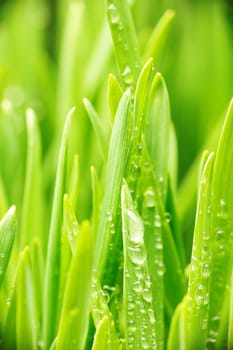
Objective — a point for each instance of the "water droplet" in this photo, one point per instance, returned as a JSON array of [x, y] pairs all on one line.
[[157, 221], [201, 295], [136, 255], [136, 230], [147, 296], [113, 14], [127, 75], [151, 316], [149, 197]]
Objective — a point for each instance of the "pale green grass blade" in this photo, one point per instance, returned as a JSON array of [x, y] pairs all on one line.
[[105, 336], [139, 315], [98, 127], [95, 202], [32, 223], [53, 256], [173, 157], [3, 199], [159, 36], [73, 326], [7, 235], [124, 40], [116, 166], [26, 320], [74, 181], [158, 131], [115, 93], [197, 307], [176, 331], [71, 223]]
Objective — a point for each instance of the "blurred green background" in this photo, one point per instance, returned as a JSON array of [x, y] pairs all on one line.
[[54, 53]]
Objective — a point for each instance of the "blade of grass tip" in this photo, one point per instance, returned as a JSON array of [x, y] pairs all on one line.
[[222, 227], [176, 330], [7, 235], [74, 181], [197, 308], [115, 93], [139, 315], [139, 112], [104, 336], [124, 40], [159, 36], [73, 326], [53, 254], [95, 202], [158, 131], [98, 127], [32, 215], [26, 320], [116, 165]]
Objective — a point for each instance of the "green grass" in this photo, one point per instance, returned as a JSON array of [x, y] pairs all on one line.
[[104, 243]]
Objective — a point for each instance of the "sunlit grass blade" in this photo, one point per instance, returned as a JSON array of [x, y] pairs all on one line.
[[173, 157], [230, 328], [139, 315], [71, 223], [177, 328], [74, 181], [98, 127], [197, 306], [116, 166], [158, 132], [32, 223], [26, 317], [95, 202], [159, 36], [76, 304], [222, 227], [105, 337], [115, 93], [7, 235], [53, 256], [124, 40], [3, 199]]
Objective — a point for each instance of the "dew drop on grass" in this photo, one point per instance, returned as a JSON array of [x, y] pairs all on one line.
[[149, 198], [136, 255], [157, 221], [135, 229], [113, 14], [127, 75], [147, 296]]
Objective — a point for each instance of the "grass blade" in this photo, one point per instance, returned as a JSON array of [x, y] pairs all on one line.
[[124, 40], [76, 305], [139, 315], [53, 256], [7, 235], [105, 337], [115, 93]]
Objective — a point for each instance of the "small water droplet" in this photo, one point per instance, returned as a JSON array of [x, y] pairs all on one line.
[[149, 197], [113, 14], [147, 296], [136, 230], [157, 221], [127, 75], [137, 256]]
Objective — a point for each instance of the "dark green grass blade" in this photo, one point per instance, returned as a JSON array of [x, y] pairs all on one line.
[[197, 306], [139, 315], [7, 235], [124, 40], [53, 256], [73, 326]]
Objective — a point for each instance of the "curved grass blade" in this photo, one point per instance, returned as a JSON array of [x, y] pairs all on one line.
[[222, 227], [139, 315], [197, 306], [26, 318], [124, 40], [105, 337], [32, 212], [74, 181], [71, 223], [115, 93], [76, 304], [98, 127], [176, 331], [95, 202], [116, 165], [7, 235], [158, 131], [53, 255], [159, 36]]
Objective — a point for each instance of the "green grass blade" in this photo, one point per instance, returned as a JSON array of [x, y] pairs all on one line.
[[159, 36], [3, 199], [124, 40], [117, 161], [26, 320], [7, 235], [105, 337], [76, 304], [197, 307], [53, 255], [32, 212], [139, 315], [71, 223], [115, 93], [74, 181], [158, 131], [176, 330], [230, 328], [98, 127], [95, 201], [222, 226]]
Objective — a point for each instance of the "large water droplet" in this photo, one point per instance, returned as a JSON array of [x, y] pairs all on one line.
[[127, 75], [137, 256], [136, 230]]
